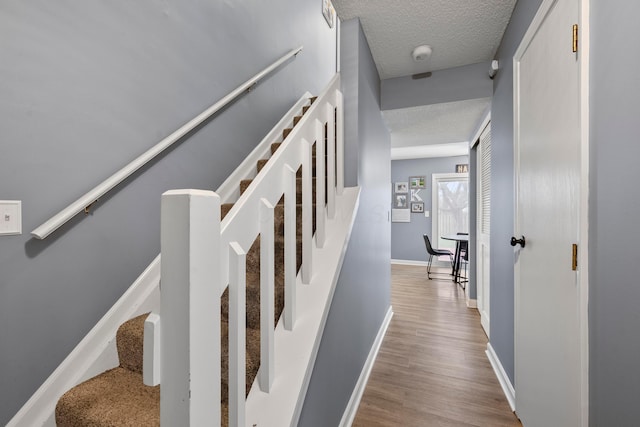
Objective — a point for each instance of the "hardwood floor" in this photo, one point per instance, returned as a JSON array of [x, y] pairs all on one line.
[[432, 369]]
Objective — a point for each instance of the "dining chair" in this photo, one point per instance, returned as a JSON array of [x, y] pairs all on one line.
[[435, 252]]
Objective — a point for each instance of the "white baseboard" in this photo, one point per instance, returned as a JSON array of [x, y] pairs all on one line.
[[354, 401], [472, 303], [408, 262], [507, 388]]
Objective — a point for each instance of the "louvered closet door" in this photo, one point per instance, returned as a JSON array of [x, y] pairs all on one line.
[[484, 220]]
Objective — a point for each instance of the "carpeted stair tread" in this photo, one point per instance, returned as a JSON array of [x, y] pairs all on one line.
[[261, 164], [252, 355], [129, 341], [224, 209], [245, 183], [114, 398], [275, 146]]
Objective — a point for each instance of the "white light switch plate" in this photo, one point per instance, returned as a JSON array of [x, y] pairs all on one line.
[[10, 217], [426, 214]]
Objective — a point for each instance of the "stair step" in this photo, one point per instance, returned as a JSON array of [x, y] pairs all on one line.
[[305, 109], [252, 355], [286, 132], [114, 398], [261, 164], [224, 209], [296, 119], [313, 99], [244, 184], [129, 341]]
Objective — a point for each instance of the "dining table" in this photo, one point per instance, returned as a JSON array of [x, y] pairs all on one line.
[[457, 257]]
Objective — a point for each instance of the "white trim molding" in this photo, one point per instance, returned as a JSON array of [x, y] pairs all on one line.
[[354, 402], [472, 303], [503, 378], [409, 262]]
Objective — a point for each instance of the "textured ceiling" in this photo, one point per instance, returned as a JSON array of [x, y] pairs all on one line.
[[450, 122], [461, 32]]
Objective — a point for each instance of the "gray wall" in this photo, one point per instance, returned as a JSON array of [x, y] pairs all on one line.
[[362, 295], [84, 88], [406, 237], [502, 201], [452, 84], [614, 316]]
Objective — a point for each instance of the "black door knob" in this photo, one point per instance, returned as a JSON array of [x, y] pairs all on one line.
[[519, 241]]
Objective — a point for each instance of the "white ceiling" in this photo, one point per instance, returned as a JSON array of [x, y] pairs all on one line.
[[460, 32], [434, 124]]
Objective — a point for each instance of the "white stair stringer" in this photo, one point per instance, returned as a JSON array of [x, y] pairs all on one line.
[[296, 350]]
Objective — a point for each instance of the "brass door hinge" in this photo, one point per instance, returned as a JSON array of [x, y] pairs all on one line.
[[575, 38], [574, 257]]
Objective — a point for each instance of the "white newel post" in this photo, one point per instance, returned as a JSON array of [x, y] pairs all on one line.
[[190, 309]]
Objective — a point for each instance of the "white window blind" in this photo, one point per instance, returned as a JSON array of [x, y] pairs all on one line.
[[485, 178]]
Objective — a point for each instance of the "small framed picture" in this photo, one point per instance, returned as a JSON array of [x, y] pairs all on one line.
[[401, 187], [400, 201], [329, 12], [462, 168], [416, 182], [417, 207]]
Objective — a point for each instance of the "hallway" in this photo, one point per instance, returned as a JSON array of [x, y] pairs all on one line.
[[432, 369]]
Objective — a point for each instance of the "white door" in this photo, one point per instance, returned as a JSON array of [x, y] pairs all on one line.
[[548, 362], [483, 192]]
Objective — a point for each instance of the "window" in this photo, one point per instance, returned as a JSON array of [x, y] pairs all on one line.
[[450, 207]]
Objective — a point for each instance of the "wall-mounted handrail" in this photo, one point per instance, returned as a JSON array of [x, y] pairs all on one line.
[[55, 222]]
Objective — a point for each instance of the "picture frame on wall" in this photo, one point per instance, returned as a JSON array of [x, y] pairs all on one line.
[[329, 12], [417, 207], [417, 182], [462, 168], [401, 187], [400, 201]]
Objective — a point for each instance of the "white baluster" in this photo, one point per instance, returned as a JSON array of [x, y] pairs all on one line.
[[290, 259], [307, 210], [237, 334], [320, 176], [267, 311], [340, 144], [331, 162], [151, 359]]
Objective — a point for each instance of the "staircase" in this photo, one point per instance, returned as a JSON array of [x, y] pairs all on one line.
[[120, 397]]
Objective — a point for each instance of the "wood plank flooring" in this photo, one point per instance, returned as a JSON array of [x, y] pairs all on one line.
[[432, 369]]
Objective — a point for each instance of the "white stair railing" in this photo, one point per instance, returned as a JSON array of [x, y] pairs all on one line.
[[202, 255]]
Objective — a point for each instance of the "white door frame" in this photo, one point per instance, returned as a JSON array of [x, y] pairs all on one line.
[[483, 290], [583, 220]]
